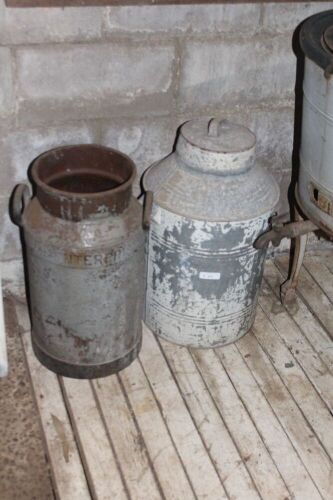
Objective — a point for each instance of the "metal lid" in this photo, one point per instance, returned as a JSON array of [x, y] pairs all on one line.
[[216, 145], [316, 39]]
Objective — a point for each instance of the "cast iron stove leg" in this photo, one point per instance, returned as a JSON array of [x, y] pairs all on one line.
[[288, 288]]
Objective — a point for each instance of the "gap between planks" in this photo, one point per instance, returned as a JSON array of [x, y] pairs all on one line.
[[69, 479], [312, 294]]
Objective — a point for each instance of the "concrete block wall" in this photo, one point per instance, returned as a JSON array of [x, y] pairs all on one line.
[[127, 77]]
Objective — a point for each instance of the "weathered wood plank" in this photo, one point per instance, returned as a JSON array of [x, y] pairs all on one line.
[[164, 458], [291, 418], [249, 443], [297, 344], [308, 400], [3, 347], [67, 471], [127, 440], [99, 461], [318, 271], [199, 467], [247, 421], [305, 320], [295, 475], [312, 294], [229, 464], [327, 260]]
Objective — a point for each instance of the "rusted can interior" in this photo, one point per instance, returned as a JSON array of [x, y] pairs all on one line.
[[82, 169], [76, 181]]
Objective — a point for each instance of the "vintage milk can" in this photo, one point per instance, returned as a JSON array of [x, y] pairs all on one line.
[[211, 202], [84, 246]]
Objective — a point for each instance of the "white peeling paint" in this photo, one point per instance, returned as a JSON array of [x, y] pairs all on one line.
[[211, 202], [202, 296]]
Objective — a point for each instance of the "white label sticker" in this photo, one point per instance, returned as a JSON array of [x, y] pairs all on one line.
[[209, 276]]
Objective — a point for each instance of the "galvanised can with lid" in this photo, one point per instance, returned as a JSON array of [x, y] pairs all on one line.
[[211, 202]]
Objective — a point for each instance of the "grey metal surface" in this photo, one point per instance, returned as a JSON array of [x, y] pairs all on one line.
[[203, 270], [86, 282], [315, 183]]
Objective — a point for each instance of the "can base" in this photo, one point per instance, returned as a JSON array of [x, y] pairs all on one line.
[[84, 371], [199, 343]]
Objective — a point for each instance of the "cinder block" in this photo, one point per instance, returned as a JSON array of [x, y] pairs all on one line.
[[38, 25], [93, 71], [227, 72], [19, 148], [274, 129], [10, 246], [6, 83], [285, 17], [92, 81], [145, 140], [183, 19]]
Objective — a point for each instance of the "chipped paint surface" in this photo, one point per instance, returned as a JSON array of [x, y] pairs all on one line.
[[203, 278], [211, 202]]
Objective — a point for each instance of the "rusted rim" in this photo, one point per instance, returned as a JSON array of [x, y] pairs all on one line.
[[87, 178], [84, 371], [55, 191]]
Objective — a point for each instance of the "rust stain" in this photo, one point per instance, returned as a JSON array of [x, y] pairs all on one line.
[[139, 443], [324, 203], [78, 341]]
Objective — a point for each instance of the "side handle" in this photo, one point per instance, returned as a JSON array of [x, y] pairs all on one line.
[[280, 231], [147, 209], [20, 199]]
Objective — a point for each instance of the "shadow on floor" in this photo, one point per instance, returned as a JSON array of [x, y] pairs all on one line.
[[24, 471]]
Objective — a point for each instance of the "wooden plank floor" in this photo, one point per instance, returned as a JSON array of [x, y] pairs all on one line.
[[252, 420]]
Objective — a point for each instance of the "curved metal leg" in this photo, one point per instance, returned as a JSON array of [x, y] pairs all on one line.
[[288, 288]]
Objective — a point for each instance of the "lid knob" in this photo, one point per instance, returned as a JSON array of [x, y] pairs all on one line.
[[216, 124]]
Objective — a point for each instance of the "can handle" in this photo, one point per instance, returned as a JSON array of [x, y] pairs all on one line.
[[21, 197], [147, 209]]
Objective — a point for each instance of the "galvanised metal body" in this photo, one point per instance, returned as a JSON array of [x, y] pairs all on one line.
[[85, 260], [315, 182], [211, 201]]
